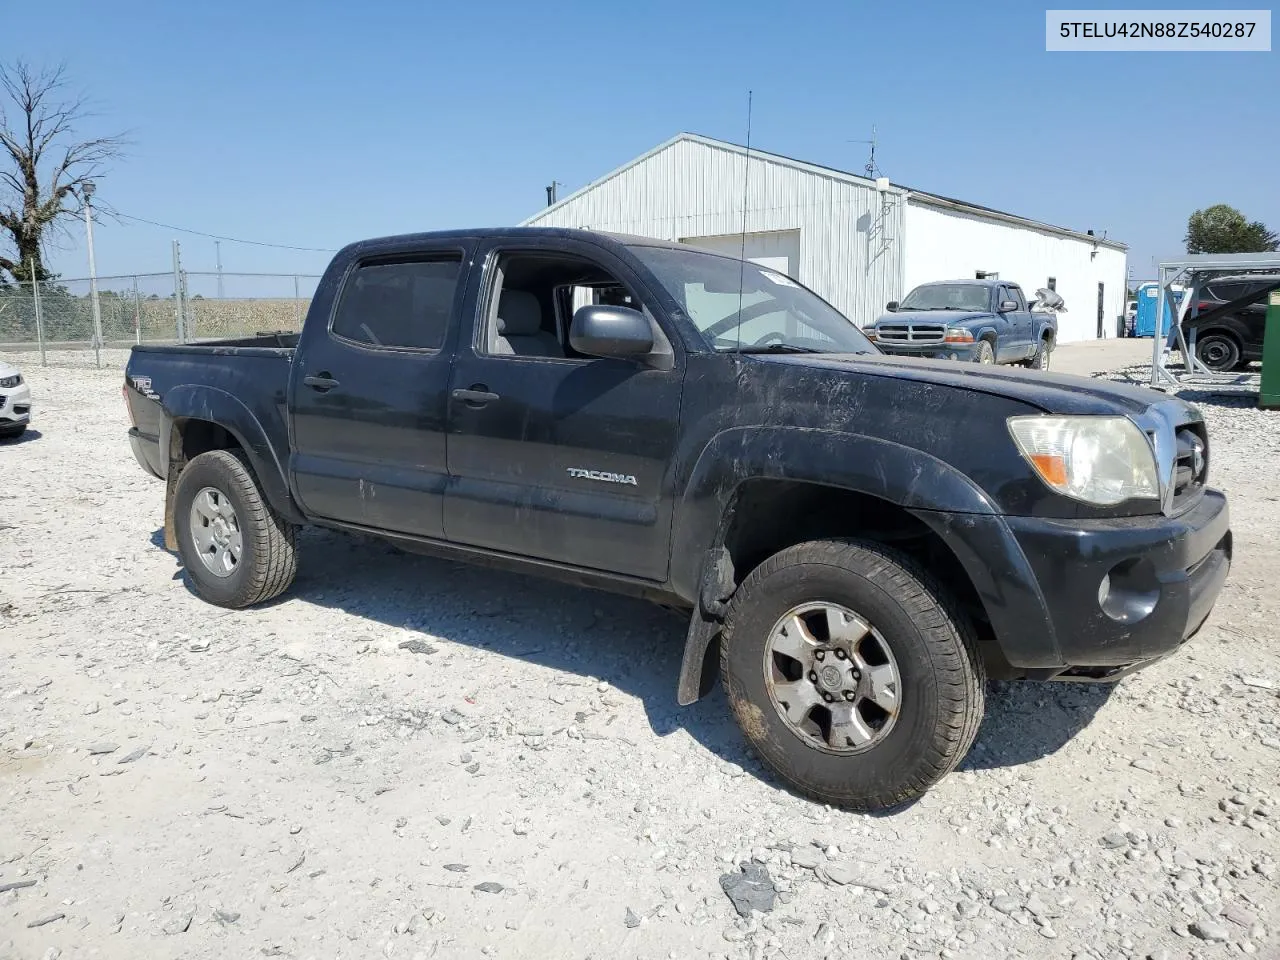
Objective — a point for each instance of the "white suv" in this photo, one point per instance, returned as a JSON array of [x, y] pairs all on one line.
[[15, 401]]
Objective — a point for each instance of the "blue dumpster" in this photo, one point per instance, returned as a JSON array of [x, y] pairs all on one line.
[[1144, 325]]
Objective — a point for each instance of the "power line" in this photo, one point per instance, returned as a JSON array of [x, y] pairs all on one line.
[[214, 236]]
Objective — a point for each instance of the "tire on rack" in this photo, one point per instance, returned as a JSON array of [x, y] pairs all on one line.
[[1219, 351], [986, 352], [852, 673], [236, 549]]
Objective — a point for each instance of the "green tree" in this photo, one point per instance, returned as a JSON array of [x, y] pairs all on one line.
[[43, 166], [1224, 229]]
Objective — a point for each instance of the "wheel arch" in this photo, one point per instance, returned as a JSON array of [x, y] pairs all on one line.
[[880, 491], [200, 418]]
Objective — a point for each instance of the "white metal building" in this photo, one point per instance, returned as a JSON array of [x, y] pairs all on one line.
[[857, 242]]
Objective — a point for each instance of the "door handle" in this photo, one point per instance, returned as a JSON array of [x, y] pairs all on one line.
[[478, 394], [321, 382]]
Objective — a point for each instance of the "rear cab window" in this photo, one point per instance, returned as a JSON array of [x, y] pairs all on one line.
[[401, 304]]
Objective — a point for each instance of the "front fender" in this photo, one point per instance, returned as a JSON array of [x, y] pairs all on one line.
[[881, 468], [199, 402]]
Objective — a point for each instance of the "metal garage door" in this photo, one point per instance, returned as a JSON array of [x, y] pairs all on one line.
[[777, 250]]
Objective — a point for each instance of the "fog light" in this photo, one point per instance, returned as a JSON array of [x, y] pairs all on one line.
[[1129, 591], [955, 356]]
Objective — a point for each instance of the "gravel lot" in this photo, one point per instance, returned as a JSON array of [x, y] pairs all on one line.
[[407, 758]]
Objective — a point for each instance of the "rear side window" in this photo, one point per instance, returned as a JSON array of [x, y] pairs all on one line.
[[406, 304]]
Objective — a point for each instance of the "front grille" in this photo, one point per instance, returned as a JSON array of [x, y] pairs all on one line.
[[911, 333], [1191, 463]]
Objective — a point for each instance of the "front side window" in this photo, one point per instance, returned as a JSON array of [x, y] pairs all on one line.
[[946, 296], [402, 304], [739, 306]]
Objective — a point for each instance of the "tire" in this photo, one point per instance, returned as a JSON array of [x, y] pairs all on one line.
[[985, 352], [267, 555], [1040, 359], [941, 679], [1218, 351], [12, 433]]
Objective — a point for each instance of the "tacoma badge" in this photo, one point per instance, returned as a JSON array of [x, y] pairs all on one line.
[[579, 474]]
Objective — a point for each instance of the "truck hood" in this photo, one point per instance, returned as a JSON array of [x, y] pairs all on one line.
[[932, 316], [1050, 392]]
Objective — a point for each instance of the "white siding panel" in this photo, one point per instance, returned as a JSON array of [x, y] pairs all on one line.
[[946, 244], [850, 234]]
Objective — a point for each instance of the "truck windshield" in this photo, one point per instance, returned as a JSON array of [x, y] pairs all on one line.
[[947, 296], [739, 306]]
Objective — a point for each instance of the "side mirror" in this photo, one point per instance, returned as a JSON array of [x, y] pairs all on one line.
[[602, 331], [891, 306], [1008, 306]]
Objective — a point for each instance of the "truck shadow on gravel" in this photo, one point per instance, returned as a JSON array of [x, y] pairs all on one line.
[[634, 645]]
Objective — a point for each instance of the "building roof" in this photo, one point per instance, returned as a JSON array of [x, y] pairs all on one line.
[[914, 196]]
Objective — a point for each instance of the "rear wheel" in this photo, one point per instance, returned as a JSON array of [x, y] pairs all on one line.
[[237, 550], [986, 354], [1040, 359], [1218, 351], [851, 674]]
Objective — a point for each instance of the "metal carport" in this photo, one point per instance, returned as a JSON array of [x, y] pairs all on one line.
[[1194, 270]]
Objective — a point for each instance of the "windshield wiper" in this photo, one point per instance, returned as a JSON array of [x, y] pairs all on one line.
[[773, 348]]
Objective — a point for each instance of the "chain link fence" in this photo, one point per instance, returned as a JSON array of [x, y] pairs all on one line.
[[54, 320]]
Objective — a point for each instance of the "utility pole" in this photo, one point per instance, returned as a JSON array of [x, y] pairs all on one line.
[[217, 246], [87, 191], [552, 193]]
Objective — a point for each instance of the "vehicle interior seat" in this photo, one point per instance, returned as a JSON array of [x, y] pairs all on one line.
[[519, 327]]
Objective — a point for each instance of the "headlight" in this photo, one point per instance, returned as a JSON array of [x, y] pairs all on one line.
[[1102, 460], [958, 335], [14, 381]]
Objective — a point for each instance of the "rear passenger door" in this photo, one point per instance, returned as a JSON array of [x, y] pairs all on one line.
[[554, 455], [369, 393]]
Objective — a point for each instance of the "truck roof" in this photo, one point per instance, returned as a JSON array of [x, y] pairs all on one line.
[[404, 240], [970, 282]]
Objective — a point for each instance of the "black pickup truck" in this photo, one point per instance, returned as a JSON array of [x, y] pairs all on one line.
[[860, 540]]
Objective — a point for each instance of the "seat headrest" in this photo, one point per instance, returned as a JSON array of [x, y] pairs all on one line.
[[518, 314]]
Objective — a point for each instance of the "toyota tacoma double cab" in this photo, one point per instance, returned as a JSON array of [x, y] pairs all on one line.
[[983, 321], [859, 540]]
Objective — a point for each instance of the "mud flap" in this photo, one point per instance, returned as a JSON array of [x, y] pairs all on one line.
[[701, 656], [170, 494]]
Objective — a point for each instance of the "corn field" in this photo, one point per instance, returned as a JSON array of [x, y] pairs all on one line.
[[59, 317]]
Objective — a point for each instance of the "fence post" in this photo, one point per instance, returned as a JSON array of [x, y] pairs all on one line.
[[35, 293], [297, 303], [177, 294], [137, 313]]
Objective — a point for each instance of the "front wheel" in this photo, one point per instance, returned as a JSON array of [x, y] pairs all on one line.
[[985, 352], [851, 673], [237, 550]]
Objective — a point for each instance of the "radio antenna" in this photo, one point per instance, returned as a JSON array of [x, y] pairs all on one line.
[[742, 250]]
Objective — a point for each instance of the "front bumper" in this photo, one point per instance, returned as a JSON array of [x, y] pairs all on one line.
[[932, 351], [1123, 593], [15, 405], [1041, 583]]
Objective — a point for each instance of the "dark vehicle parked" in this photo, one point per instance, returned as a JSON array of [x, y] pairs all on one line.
[[859, 539], [1231, 339], [986, 321]]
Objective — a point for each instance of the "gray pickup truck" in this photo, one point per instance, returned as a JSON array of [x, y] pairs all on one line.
[[985, 321]]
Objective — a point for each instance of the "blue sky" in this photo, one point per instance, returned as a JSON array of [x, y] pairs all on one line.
[[318, 123]]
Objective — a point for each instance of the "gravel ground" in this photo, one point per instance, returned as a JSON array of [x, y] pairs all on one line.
[[408, 758]]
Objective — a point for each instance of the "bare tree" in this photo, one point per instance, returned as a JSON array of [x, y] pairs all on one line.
[[42, 164]]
